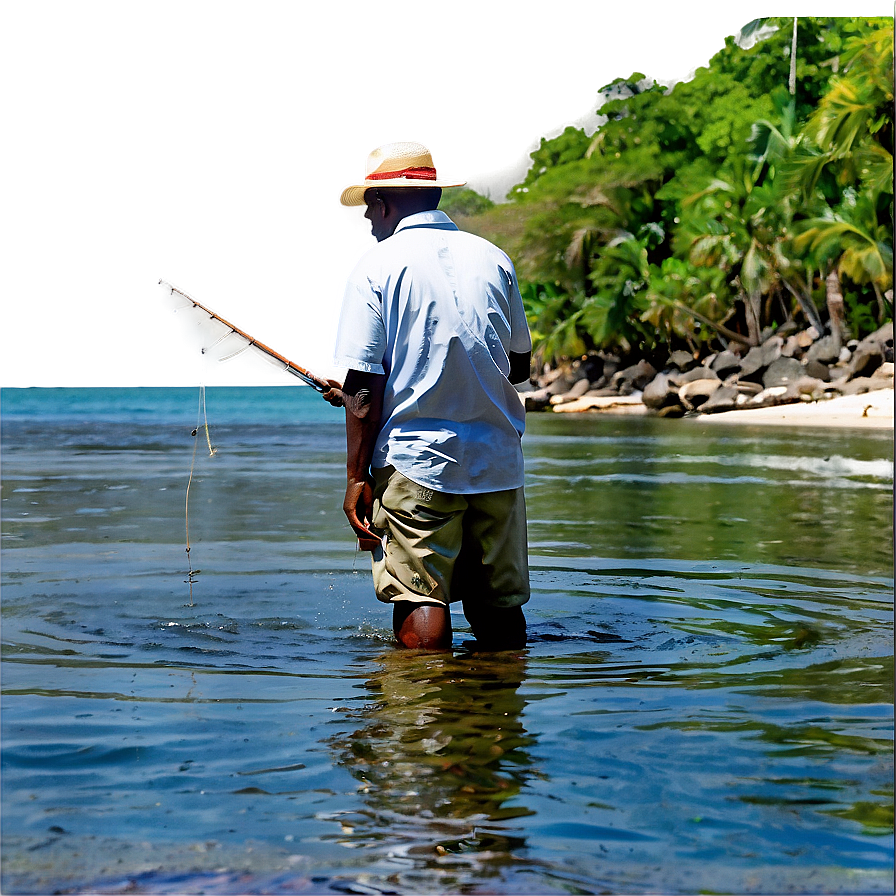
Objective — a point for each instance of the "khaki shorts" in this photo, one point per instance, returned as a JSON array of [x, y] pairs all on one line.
[[440, 548]]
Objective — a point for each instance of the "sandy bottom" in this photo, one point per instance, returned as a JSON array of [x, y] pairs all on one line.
[[870, 410]]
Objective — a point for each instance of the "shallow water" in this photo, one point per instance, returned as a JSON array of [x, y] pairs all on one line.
[[706, 702]]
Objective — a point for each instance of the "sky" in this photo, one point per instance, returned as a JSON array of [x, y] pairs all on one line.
[[207, 143]]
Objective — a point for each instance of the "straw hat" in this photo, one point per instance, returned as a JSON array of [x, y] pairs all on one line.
[[396, 165]]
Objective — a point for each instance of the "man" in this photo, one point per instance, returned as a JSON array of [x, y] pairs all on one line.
[[433, 333]]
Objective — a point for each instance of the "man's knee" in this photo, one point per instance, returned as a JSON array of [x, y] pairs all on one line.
[[422, 626]]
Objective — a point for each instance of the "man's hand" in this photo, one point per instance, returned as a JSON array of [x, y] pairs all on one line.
[[358, 508], [334, 396]]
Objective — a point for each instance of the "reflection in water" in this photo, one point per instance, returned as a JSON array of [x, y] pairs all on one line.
[[441, 756]]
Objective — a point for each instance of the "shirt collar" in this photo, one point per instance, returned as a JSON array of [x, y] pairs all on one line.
[[435, 219]]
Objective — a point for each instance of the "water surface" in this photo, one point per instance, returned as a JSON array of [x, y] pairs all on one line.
[[705, 704]]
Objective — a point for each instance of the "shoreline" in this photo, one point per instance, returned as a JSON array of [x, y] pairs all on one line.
[[866, 410], [792, 377]]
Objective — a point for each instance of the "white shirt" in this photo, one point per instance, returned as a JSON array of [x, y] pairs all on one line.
[[439, 311]]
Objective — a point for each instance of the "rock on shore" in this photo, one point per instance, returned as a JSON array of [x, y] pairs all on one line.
[[789, 366]]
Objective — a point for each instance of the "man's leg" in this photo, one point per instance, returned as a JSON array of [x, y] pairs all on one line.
[[496, 628], [422, 626], [491, 576], [411, 570]]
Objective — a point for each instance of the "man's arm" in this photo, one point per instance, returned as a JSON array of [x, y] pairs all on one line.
[[363, 394], [520, 367]]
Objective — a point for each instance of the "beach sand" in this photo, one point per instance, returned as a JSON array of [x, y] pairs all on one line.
[[870, 410]]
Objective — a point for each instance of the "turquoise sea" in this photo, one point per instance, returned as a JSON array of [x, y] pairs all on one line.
[[705, 704]]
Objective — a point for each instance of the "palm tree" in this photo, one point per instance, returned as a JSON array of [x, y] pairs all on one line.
[[853, 123], [853, 243], [739, 225], [684, 302], [848, 142]]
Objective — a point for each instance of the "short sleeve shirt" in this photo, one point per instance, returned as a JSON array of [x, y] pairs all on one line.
[[438, 311]]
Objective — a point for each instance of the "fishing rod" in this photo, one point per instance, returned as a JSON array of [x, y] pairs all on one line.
[[230, 329]]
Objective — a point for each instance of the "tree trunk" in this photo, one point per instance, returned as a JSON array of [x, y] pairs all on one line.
[[807, 306], [752, 307], [881, 308], [836, 308], [793, 61]]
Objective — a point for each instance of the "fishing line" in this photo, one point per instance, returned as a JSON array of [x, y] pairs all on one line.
[[210, 326], [201, 422]]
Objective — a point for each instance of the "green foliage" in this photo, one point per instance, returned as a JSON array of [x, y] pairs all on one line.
[[462, 202], [726, 110], [715, 208], [860, 317], [570, 146], [553, 316], [852, 238], [684, 301], [621, 276]]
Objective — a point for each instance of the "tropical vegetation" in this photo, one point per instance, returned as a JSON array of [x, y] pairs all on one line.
[[714, 210]]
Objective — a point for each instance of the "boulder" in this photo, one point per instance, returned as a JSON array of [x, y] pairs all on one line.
[[782, 372], [539, 400], [805, 339], [784, 330], [826, 350], [633, 378], [696, 393], [661, 391], [881, 378], [883, 336], [612, 363], [792, 347], [857, 386], [593, 367], [867, 357], [817, 370], [723, 399], [682, 360], [759, 357], [558, 382], [580, 388], [548, 376], [884, 372], [725, 363], [752, 362], [809, 388], [698, 373]]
